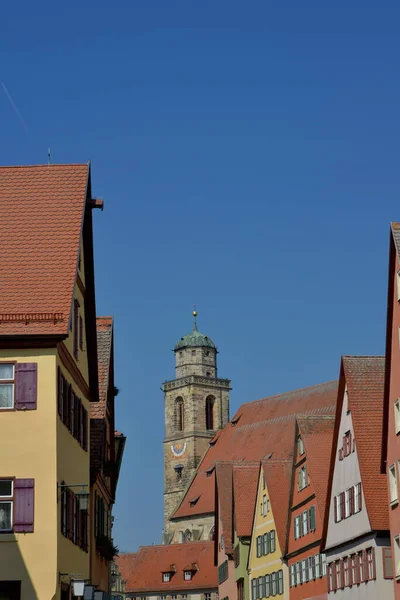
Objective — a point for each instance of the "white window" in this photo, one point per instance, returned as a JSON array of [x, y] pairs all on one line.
[[297, 527], [393, 484], [348, 503], [6, 504], [357, 498], [207, 596], [397, 416], [323, 561], [304, 570], [188, 575], [300, 446], [396, 547], [265, 505], [302, 478], [166, 577], [318, 566], [305, 522], [298, 573], [6, 386], [311, 568], [292, 575]]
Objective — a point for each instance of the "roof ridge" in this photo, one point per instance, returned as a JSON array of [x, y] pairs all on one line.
[[358, 356], [308, 387], [45, 165]]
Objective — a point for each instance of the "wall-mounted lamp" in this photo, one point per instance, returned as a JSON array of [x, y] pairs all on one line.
[[78, 586], [82, 494]]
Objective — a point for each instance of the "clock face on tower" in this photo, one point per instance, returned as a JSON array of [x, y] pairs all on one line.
[[178, 450]]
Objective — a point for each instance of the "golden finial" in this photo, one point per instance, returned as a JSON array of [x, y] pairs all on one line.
[[194, 313]]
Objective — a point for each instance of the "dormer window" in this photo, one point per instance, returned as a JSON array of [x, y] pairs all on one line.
[[166, 577], [193, 501], [300, 446], [188, 575], [209, 471]]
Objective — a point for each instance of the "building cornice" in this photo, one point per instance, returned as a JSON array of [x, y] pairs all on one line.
[[196, 380]]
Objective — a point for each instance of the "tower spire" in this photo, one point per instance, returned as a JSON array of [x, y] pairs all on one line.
[[194, 318]]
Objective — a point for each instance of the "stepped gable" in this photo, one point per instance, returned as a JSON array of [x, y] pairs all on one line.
[[278, 475], [257, 429], [143, 570], [41, 215], [245, 483], [317, 435]]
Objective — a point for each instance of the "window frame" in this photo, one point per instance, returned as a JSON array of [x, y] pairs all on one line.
[[187, 576], [9, 500], [9, 382], [393, 488], [396, 557], [302, 478], [166, 577]]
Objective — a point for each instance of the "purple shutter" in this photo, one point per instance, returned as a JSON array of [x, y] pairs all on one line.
[[23, 505], [60, 379], [26, 386]]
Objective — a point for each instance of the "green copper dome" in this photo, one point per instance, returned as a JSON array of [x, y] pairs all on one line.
[[195, 339]]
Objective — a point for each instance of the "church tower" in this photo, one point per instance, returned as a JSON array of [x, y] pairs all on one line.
[[196, 406]]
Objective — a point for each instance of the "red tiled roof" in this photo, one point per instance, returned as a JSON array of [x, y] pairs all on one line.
[[245, 483], [143, 570], [265, 426], [278, 474], [224, 484], [317, 435], [364, 376], [41, 214]]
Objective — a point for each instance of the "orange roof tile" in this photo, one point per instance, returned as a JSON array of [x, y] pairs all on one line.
[[265, 426], [364, 376], [245, 483], [317, 435], [41, 214], [143, 570], [278, 475]]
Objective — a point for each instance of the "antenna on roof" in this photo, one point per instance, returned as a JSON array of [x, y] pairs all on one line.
[[48, 156]]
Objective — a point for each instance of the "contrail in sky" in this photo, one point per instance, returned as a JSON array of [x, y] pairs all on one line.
[[20, 117]]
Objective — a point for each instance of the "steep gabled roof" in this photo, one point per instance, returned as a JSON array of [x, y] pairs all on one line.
[[245, 482], [364, 377], [394, 252], [143, 570], [224, 486], [278, 475], [41, 219], [265, 426]]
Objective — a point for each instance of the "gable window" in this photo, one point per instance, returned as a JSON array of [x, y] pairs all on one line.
[[305, 522], [393, 484], [302, 477], [357, 498], [166, 577], [7, 382], [387, 563], [300, 446], [347, 444], [297, 533], [265, 506], [188, 575], [210, 412]]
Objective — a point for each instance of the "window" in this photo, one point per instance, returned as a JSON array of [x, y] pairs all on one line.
[[396, 546], [346, 572], [280, 582], [305, 522], [6, 386], [272, 544], [300, 446], [298, 573], [302, 478], [348, 503], [304, 571], [297, 533], [264, 482], [207, 596], [253, 589], [188, 575], [292, 575], [80, 333], [393, 485], [397, 416], [210, 412], [273, 584], [312, 518], [6, 504], [265, 505], [74, 521], [72, 412], [259, 587], [223, 572], [240, 589], [75, 328], [179, 414], [387, 563], [347, 444], [357, 498], [371, 563], [166, 577]]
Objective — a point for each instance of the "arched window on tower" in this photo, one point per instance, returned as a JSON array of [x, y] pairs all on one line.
[[179, 415], [210, 412]]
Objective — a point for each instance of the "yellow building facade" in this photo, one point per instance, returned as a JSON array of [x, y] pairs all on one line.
[[268, 572], [48, 378]]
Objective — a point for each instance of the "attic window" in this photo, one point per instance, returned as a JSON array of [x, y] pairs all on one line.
[[210, 471], [166, 577], [194, 500], [269, 455], [188, 575], [235, 420]]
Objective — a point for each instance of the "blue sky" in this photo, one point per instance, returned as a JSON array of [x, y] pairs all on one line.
[[248, 156]]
